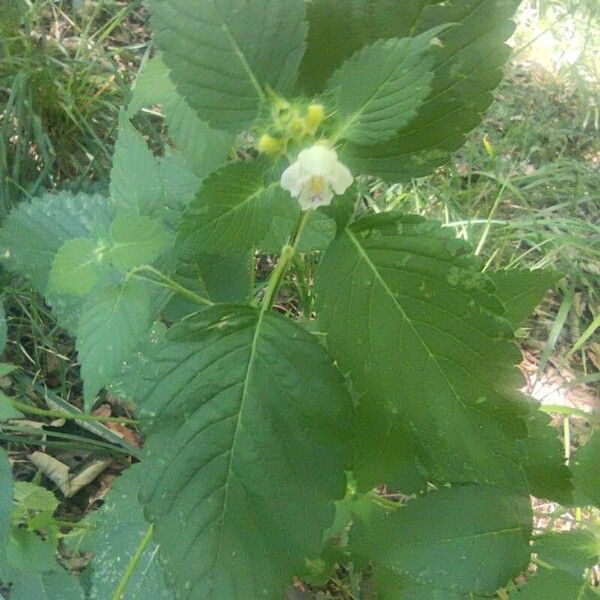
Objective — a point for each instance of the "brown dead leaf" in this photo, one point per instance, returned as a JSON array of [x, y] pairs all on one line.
[[60, 474], [105, 410], [105, 482]]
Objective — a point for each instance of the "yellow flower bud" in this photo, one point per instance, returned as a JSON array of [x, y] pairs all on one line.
[[315, 114], [270, 145]]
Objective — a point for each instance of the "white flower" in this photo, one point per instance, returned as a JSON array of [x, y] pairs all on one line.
[[316, 177]]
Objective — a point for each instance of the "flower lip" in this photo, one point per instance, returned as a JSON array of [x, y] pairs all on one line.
[[316, 176]]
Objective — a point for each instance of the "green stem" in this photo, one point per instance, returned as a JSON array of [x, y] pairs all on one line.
[[133, 563], [166, 281], [59, 414], [287, 254]]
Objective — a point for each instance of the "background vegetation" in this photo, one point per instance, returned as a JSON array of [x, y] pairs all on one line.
[[525, 190]]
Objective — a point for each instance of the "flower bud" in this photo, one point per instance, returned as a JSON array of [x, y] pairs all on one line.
[[270, 145], [315, 114]]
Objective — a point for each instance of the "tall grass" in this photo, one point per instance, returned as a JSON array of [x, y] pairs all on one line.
[[63, 76]]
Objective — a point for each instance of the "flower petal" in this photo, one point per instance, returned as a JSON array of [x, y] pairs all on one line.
[[292, 179], [340, 178], [317, 160], [309, 202]]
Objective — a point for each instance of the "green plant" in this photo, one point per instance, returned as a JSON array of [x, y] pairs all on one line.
[[267, 430]]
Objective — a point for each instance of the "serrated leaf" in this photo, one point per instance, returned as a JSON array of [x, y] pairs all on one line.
[[409, 316], [224, 53], [338, 29], [521, 291], [468, 66], [34, 231], [75, 268], [231, 213], [115, 532], [112, 322], [586, 466], [135, 240], [246, 453], [542, 458], [203, 147], [555, 585], [570, 551], [446, 539], [135, 182], [379, 89], [149, 185]]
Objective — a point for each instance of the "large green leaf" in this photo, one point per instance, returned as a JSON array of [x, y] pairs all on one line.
[[409, 316], [468, 66], [586, 466], [115, 533], [203, 147], [224, 53], [232, 211], [246, 453], [521, 291], [339, 28], [379, 89], [34, 231], [112, 323], [463, 539]]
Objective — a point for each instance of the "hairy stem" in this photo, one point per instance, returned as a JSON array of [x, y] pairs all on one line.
[[287, 254]]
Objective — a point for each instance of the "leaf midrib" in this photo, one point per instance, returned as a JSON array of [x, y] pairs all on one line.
[[247, 381], [240, 55], [402, 312]]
